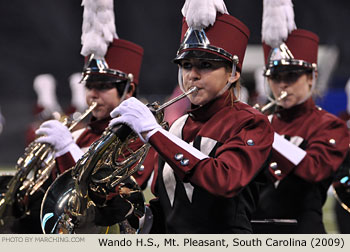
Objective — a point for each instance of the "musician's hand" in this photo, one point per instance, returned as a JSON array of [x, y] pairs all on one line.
[[56, 134], [137, 116], [202, 13]]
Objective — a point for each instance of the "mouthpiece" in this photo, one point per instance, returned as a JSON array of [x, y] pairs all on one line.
[[188, 92], [282, 96]]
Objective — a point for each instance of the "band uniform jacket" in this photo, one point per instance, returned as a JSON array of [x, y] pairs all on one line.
[[85, 137], [298, 192], [208, 185]]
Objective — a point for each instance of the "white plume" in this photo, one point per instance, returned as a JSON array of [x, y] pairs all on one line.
[[98, 27], [78, 92], [278, 21], [202, 13], [45, 87]]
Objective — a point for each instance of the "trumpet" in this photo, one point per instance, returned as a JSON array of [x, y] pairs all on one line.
[[67, 205], [263, 109], [33, 169]]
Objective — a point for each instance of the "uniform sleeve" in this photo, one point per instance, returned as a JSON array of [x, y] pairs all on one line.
[[234, 165], [325, 151], [64, 162]]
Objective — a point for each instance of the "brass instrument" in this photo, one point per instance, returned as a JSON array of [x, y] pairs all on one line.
[[341, 184], [33, 169], [67, 205], [263, 109]]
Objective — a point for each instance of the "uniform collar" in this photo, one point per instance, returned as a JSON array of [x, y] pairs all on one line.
[[295, 111], [203, 113], [98, 126]]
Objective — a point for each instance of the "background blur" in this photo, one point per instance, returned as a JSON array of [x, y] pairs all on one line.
[[43, 36]]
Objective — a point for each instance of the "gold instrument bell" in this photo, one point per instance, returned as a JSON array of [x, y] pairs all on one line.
[[33, 169]]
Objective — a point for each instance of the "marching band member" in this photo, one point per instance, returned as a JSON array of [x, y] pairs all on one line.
[[310, 144], [123, 57], [210, 158], [110, 76]]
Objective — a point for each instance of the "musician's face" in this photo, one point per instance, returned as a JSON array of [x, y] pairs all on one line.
[[297, 89], [107, 99], [210, 77]]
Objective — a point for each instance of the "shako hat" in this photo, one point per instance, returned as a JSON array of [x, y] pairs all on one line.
[[107, 58], [225, 38], [285, 47], [299, 51], [121, 62]]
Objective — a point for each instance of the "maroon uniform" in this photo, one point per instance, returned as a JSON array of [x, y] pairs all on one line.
[[210, 187], [300, 191]]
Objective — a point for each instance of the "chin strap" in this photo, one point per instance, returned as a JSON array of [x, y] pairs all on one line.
[[230, 82], [126, 88], [313, 85], [180, 79], [122, 98]]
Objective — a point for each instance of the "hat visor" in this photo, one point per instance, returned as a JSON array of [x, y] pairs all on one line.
[[286, 68], [197, 54], [98, 77], [283, 65]]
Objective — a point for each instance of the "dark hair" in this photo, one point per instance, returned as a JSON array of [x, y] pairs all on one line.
[[236, 85], [120, 89]]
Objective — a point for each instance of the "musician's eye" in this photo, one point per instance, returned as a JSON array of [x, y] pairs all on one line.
[[186, 65], [275, 78], [206, 65], [106, 86], [100, 85]]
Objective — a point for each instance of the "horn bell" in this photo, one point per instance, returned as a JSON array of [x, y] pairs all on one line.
[[55, 202]]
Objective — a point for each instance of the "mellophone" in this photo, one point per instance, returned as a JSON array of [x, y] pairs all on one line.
[[66, 205]]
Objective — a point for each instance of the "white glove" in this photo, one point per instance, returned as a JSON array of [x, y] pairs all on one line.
[[58, 135], [202, 13], [137, 116]]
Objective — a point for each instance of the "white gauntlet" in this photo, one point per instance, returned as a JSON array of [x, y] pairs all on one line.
[[58, 135], [136, 115]]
